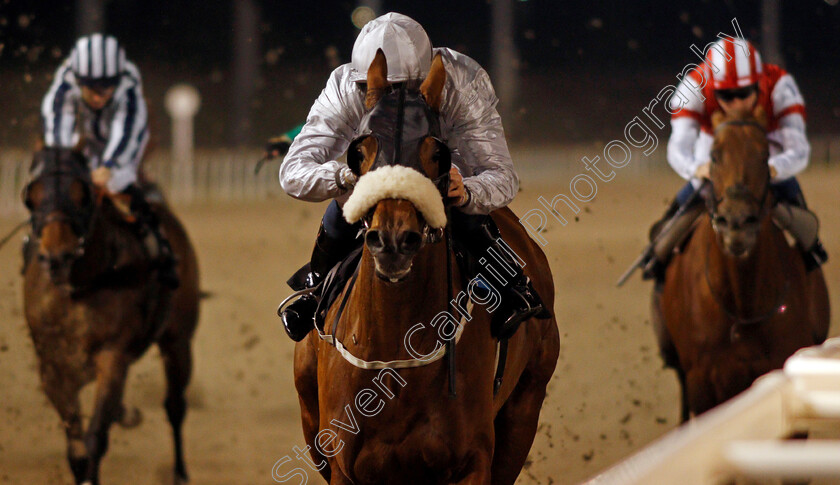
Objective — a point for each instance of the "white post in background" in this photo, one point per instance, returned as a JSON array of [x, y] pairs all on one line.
[[182, 102]]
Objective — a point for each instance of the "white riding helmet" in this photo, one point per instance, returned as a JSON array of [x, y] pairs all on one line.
[[406, 46]]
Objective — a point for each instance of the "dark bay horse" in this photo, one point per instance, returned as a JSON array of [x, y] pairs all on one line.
[[737, 300], [399, 424], [94, 305]]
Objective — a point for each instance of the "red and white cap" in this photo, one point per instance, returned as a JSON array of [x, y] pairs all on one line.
[[733, 63]]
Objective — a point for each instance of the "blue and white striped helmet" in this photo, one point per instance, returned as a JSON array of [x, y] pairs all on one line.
[[97, 59]]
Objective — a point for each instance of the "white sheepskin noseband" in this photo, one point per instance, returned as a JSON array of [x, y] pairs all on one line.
[[396, 182]]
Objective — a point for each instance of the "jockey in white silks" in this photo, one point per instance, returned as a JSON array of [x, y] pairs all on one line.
[[482, 179], [96, 98], [733, 78]]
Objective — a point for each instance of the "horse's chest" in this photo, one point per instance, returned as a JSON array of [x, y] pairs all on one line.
[[421, 456], [381, 440]]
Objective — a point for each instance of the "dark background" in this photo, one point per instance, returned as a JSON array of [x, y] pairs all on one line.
[[587, 68]]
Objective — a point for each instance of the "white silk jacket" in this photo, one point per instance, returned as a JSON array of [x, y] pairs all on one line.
[[470, 126]]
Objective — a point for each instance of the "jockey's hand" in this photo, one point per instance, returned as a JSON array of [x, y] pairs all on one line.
[[702, 171], [773, 172], [277, 146], [100, 177], [457, 192]]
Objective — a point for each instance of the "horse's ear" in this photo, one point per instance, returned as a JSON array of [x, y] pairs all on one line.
[[760, 115], [718, 117], [432, 87], [377, 79]]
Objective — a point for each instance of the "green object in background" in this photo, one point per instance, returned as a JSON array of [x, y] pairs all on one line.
[[291, 134]]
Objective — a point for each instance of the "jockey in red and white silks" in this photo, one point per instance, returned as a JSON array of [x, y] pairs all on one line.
[[732, 64], [733, 78]]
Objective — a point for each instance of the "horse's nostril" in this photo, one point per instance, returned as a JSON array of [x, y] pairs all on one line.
[[410, 242], [373, 239]]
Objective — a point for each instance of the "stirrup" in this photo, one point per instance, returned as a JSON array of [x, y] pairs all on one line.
[[814, 257], [299, 316]]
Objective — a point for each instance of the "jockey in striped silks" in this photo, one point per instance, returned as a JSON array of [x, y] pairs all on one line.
[[96, 101]]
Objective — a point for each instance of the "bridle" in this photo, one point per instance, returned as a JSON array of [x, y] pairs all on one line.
[[740, 192], [400, 121], [50, 168], [737, 191]]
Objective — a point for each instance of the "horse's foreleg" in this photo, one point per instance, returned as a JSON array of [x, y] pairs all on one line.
[[63, 393], [516, 426], [177, 361], [111, 370], [306, 383], [685, 412]]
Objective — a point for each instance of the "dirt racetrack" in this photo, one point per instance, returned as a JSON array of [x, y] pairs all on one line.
[[609, 395]]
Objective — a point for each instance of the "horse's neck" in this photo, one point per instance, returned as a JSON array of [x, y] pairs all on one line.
[[382, 313], [751, 284]]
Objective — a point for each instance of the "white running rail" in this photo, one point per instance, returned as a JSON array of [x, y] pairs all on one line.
[[743, 437]]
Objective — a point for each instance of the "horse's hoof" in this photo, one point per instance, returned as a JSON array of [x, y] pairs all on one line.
[[131, 418], [179, 480]]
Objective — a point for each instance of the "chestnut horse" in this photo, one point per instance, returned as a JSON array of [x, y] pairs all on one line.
[[401, 424], [737, 300], [94, 305]]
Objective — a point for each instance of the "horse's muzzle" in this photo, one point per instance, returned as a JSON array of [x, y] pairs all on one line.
[[739, 235], [58, 266], [393, 251]]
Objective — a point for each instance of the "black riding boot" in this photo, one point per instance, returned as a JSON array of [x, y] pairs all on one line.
[[148, 226], [299, 316], [520, 301]]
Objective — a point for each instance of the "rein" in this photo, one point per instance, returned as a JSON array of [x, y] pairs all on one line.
[[14, 230]]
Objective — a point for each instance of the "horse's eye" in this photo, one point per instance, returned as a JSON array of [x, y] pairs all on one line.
[[751, 221], [720, 221]]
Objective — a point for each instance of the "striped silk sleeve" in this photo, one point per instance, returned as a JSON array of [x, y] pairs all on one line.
[[128, 130], [58, 110]]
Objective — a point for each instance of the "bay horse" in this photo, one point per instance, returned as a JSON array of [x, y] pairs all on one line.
[[737, 300], [401, 424], [94, 305]]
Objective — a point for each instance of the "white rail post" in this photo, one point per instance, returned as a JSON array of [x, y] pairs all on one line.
[[182, 102]]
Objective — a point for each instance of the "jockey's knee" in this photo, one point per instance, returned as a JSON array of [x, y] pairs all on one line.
[[685, 193], [789, 191], [336, 226]]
